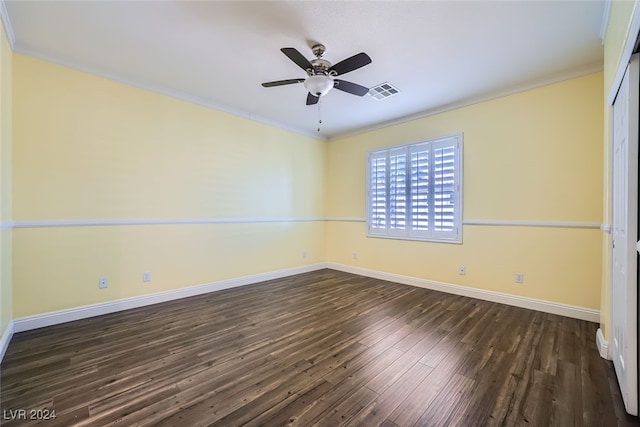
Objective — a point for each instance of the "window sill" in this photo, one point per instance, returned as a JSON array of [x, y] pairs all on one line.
[[456, 241]]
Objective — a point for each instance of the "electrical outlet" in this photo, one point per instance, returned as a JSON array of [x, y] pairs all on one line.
[[519, 278], [103, 283], [462, 270], [355, 255], [146, 276], [304, 254]]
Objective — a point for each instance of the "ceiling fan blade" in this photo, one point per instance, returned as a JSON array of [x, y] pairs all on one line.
[[297, 57], [312, 99], [349, 87], [352, 63], [282, 82]]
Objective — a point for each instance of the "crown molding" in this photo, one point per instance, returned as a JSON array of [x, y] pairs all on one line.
[[584, 71], [629, 44], [590, 69], [8, 28], [176, 94]]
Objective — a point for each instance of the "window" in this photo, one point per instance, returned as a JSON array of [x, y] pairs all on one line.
[[414, 191]]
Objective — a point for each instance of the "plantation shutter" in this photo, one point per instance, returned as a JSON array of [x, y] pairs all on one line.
[[378, 192], [420, 194], [414, 190], [445, 188], [398, 191]]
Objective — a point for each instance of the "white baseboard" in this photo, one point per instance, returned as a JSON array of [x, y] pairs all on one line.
[[56, 317], [603, 345], [5, 339], [77, 313], [576, 312]]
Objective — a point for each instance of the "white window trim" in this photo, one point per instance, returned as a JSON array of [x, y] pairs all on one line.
[[407, 234]]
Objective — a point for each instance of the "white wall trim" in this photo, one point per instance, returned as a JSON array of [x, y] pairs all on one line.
[[257, 220], [55, 317], [603, 345], [5, 339], [526, 223], [8, 28], [153, 221], [605, 20], [502, 222], [632, 36], [346, 219], [567, 310]]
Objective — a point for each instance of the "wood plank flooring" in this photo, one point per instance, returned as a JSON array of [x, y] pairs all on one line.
[[319, 349]]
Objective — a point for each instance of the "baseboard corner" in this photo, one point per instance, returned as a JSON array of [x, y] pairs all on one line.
[[5, 339], [602, 344]]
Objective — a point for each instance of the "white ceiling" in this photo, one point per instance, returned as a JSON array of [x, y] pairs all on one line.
[[216, 53]]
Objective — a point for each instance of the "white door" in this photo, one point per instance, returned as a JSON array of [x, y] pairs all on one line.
[[625, 233]]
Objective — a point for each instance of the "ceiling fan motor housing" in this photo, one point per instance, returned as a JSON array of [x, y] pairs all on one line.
[[320, 80], [320, 66]]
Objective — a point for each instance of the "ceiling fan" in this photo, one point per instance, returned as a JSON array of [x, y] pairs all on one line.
[[320, 73]]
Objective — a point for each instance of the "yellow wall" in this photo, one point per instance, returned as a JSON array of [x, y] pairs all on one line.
[[6, 56], [616, 35], [89, 148], [86, 148], [535, 155]]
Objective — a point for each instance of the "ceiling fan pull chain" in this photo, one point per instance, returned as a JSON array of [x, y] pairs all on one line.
[[319, 113]]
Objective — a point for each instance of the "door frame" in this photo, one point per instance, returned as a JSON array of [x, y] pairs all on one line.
[[630, 45], [626, 250]]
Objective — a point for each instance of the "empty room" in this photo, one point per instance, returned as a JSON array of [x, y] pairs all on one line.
[[326, 213]]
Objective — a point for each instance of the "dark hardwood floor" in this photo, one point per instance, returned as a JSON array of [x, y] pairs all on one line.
[[323, 348]]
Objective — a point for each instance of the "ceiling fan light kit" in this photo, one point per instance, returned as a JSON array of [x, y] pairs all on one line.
[[320, 73], [318, 85]]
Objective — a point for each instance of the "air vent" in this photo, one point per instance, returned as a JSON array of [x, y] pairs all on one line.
[[383, 90]]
